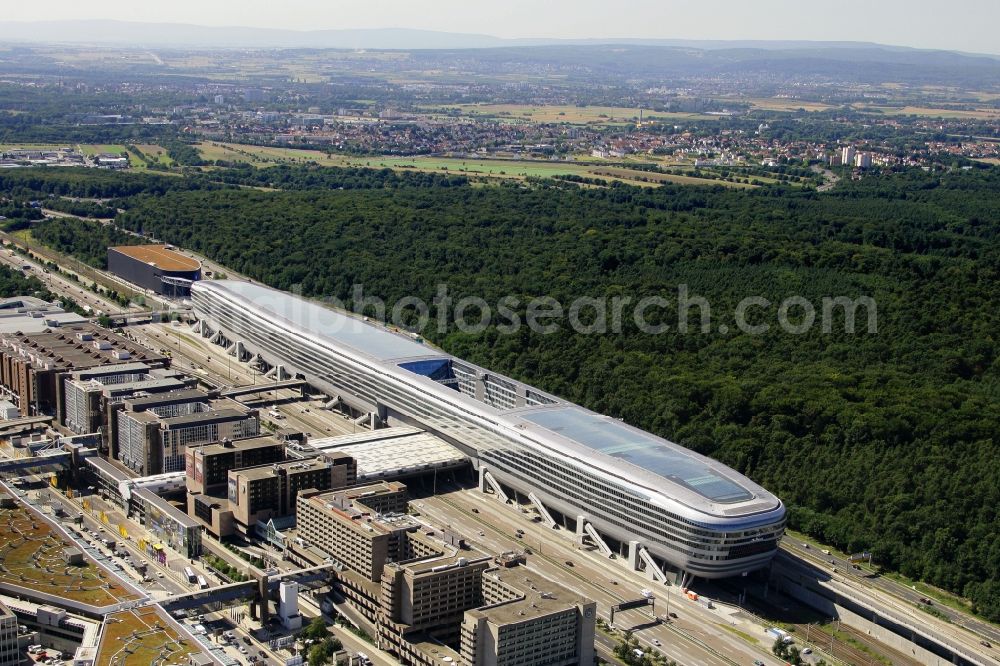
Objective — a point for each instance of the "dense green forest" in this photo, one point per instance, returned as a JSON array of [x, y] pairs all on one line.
[[15, 283], [87, 241], [884, 441]]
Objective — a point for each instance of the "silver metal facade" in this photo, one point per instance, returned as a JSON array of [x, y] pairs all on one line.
[[709, 535]]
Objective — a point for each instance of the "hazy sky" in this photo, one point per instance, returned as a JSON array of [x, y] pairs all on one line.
[[969, 25]]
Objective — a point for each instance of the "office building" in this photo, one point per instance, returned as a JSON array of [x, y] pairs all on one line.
[[526, 619], [89, 393], [663, 504], [424, 601], [346, 526], [158, 268], [33, 366], [258, 494], [154, 432], [208, 466], [10, 655]]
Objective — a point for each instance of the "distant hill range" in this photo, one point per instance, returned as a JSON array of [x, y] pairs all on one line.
[[650, 60], [187, 35]]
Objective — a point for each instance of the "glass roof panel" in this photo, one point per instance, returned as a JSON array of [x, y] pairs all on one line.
[[641, 449], [342, 329]]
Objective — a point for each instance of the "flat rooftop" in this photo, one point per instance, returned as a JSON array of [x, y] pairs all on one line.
[[28, 323], [143, 636], [326, 325], [212, 416], [239, 445], [159, 256], [393, 452], [268, 470], [538, 596], [62, 348]]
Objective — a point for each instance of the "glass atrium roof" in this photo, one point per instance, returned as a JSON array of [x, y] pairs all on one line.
[[349, 331], [612, 438]]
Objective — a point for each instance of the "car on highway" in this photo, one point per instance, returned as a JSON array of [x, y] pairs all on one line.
[[806, 650], [673, 615], [657, 642], [985, 644], [569, 563]]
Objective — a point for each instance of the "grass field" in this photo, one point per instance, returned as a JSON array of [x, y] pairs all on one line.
[[33, 146], [785, 104], [264, 155], [90, 149], [140, 637], [32, 556], [574, 115], [487, 168], [978, 114], [631, 174]]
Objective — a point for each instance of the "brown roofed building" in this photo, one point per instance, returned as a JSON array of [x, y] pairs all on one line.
[[158, 268]]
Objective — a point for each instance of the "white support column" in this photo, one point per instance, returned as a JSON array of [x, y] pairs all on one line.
[[652, 568], [542, 511], [633, 555], [685, 579], [580, 533], [598, 540], [493, 484]]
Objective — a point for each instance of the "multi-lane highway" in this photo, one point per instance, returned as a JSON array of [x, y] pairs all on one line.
[[841, 578], [802, 550], [697, 636]]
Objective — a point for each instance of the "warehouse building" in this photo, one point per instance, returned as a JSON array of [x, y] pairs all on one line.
[[158, 268]]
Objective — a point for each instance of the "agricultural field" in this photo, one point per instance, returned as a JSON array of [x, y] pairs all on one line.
[[487, 168], [929, 112], [32, 146], [574, 115], [31, 556], [141, 637], [631, 174], [91, 149], [785, 104]]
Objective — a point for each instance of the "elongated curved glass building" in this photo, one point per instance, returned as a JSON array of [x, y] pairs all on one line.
[[690, 512]]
